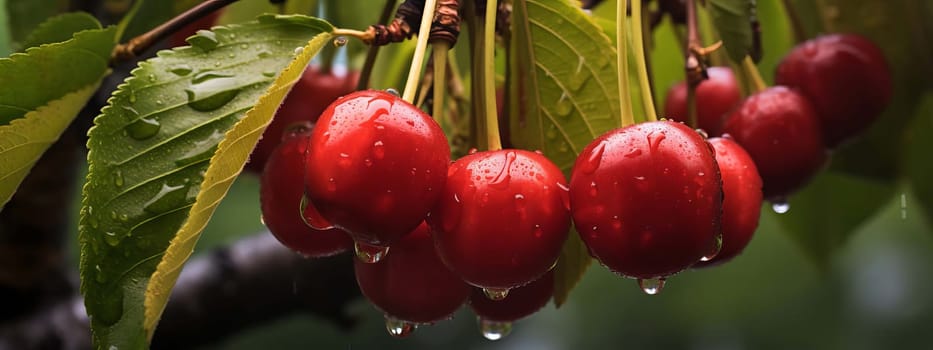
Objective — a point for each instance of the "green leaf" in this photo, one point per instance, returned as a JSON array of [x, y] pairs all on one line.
[[5, 40], [60, 28], [48, 72], [163, 155], [828, 211], [40, 103], [25, 15], [564, 84], [25, 139], [731, 19], [918, 143]]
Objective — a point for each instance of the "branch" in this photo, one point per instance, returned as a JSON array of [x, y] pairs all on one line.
[[218, 294]]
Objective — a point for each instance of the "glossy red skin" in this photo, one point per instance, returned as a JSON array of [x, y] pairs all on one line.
[[647, 199], [845, 78], [376, 165], [280, 191], [411, 283], [781, 132], [203, 23], [520, 303], [502, 218], [741, 203], [305, 102], [715, 97]]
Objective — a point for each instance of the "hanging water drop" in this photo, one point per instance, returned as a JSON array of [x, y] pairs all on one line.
[[211, 90], [398, 328], [651, 286], [714, 250], [494, 330], [780, 206], [311, 216], [370, 254], [596, 156], [340, 41], [496, 293]]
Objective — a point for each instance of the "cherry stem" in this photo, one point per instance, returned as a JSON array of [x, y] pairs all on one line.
[[364, 36], [795, 24], [625, 95], [639, 48], [367, 71], [414, 72], [493, 141], [439, 50], [693, 66], [751, 70], [136, 46]]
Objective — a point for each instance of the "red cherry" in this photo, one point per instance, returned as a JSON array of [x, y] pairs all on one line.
[[845, 78], [780, 131], [741, 204], [280, 190], [714, 98], [203, 23], [412, 285], [647, 200], [502, 218], [305, 102], [375, 166]]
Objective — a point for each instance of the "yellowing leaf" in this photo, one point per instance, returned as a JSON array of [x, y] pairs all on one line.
[[163, 155]]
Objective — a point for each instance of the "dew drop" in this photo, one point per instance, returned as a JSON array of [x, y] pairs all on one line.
[[181, 70], [496, 294], [654, 140], [244, 46], [594, 190], [112, 239], [551, 133], [564, 195], [263, 54], [210, 91], [268, 74], [99, 274], [393, 92], [502, 179], [143, 128], [312, 217], [379, 150], [596, 156], [331, 185], [564, 105], [151, 77], [494, 330], [368, 253], [344, 162], [398, 328], [702, 133], [169, 197], [780, 206], [298, 50], [714, 249], [472, 151], [262, 220], [651, 286], [538, 232], [118, 178], [340, 41], [632, 153], [205, 40], [201, 150]]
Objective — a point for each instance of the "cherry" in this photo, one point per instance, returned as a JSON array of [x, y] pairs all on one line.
[[375, 166], [714, 98], [280, 191], [412, 285], [502, 219], [204, 23], [496, 316], [780, 131], [845, 78], [305, 102], [647, 199], [741, 204]]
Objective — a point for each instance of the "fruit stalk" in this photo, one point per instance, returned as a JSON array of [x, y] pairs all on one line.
[[439, 50], [414, 73], [638, 47], [758, 84], [130, 49], [795, 24], [489, 78], [373, 51], [625, 98], [693, 67]]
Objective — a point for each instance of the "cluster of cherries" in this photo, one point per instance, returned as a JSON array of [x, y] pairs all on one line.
[[648, 200], [829, 89]]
